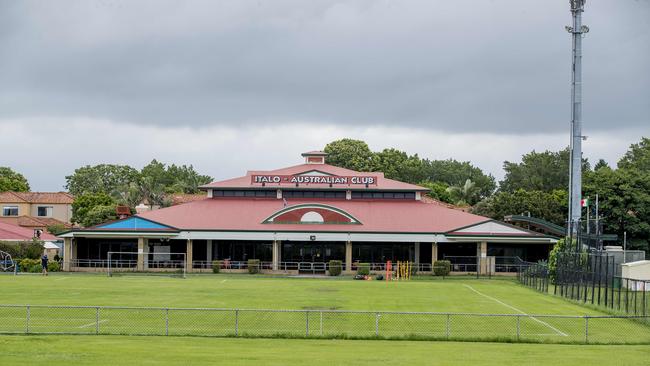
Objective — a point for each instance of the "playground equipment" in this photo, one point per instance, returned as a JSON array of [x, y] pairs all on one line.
[[6, 263], [402, 270]]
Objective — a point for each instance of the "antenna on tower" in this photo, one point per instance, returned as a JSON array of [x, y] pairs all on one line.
[[575, 164]]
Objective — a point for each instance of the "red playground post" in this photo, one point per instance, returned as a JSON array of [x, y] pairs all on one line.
[[389, 271]]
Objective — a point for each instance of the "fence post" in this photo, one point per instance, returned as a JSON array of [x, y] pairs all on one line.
[[307, 323], [97, 320], [377, 325], [586, 329], [448, 320], [321, 323], [167, 321], [28, 316], [236, 322], [518, 326]]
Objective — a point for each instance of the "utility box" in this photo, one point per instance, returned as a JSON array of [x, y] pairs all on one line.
[[639, 274]]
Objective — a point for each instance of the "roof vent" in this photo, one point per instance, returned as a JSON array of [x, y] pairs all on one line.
[[314, 157]]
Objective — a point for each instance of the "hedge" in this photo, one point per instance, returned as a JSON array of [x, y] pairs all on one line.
[[253, 266], [216, 266], [336, 267], [363, 269], [441, 268]]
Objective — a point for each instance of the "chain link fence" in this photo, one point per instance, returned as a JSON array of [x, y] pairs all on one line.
[[42, 319]]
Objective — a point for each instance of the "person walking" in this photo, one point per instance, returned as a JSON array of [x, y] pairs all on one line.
[[44, 261]]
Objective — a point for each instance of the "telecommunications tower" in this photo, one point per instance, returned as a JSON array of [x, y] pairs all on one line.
[[575, 165]]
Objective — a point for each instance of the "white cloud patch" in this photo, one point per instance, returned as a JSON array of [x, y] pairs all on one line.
[[46, 150]]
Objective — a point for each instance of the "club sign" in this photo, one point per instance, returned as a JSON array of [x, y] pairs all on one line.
[[314, 179]]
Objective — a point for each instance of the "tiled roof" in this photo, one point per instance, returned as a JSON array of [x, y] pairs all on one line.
[[15, 232], [36, 197], [375, 216], [29, 221], [245, 181]]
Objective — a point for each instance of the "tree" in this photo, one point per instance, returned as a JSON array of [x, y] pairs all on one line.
[[455, 173], [637, 157], [624, 202], [83, 204], [543, 171], [550, 206], [601, 164], [56, 229], [350, 154], [12, 181], [99, 214], [464, 195], [399, 165], [437, 191], [173, 178], [104, 178]]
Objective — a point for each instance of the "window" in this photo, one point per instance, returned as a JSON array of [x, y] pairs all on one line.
[[313, 194], [44, 211], [10, 211], [244, 193], [383, 195]]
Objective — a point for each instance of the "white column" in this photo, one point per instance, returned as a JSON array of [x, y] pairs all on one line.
[[348, 256], [209, 253], [434, 253], [188, 256], [67, 254], [275, 257], [140, 263]]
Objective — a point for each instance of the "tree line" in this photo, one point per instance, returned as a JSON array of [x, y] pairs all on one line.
[[536, 185]]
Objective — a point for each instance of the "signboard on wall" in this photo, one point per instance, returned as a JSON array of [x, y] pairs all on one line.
[[315, 179]]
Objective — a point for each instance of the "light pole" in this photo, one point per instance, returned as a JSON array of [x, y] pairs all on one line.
[[575, 174]]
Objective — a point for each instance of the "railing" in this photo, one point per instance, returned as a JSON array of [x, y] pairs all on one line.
[[44, 319], [458, 264]]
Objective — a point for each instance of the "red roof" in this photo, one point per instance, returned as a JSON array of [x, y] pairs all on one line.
[[382, 183], [375, 216], [36, 197], [15, 232]]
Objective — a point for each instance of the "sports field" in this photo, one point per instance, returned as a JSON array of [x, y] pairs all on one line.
[[317, 305], [313, 299]]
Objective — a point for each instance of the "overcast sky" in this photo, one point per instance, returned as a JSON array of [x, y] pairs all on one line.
[[234, 85]]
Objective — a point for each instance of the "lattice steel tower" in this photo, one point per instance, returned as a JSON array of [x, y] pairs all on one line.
[[575, 174]]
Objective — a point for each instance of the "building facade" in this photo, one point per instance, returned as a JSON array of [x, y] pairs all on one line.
[[298, 219], [36, 210]]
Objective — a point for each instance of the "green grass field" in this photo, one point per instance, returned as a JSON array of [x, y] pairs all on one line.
[[123, 350], [455, 295]]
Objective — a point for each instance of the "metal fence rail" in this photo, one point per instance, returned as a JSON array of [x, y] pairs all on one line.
[[590, 278], [43, 319]]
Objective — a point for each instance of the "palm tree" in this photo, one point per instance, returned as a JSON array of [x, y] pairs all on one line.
[[464, 195]]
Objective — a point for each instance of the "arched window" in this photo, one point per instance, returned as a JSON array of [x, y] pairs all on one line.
[[312, 217]]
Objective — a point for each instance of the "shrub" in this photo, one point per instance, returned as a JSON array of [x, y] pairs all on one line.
[[26, 249], [216, 266], [379, 277], [53, 266], [30, 265], [363, 269], [441, 268], [253, 266], [336, 267]]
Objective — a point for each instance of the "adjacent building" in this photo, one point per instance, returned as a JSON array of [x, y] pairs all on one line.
[[36, 210], [298, 219]]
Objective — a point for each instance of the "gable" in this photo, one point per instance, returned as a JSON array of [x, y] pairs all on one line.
[[134, 223], [492, 227], [311, 214]]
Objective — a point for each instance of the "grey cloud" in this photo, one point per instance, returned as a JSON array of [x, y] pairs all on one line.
[[490, 66]]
